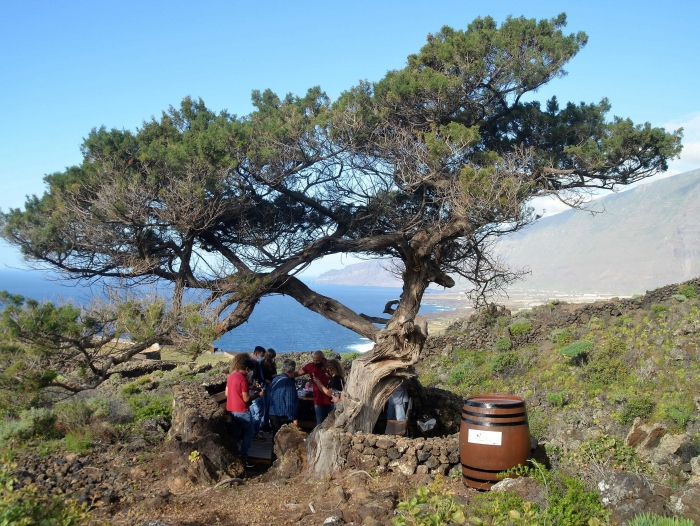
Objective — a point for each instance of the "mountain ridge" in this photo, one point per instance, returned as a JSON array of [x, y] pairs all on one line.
[[633, 241]]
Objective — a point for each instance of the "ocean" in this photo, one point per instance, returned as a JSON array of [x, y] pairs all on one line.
[[278, 321]]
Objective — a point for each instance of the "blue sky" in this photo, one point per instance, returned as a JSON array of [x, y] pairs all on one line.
[[68, 66]]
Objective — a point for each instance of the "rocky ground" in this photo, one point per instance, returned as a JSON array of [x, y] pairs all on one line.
[[178, 473]]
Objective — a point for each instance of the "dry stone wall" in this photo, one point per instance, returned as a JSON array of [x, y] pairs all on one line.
[[407, 456]]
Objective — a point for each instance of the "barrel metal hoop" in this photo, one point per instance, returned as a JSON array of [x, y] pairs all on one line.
[[495, 424], [483, 470], [483, 415], [479, 480], [492, 406]]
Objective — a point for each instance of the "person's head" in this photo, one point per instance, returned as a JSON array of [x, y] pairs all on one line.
[[249, 365], [289, 366], [335, 368], [259, 352], [319, 358], [270, 356], [238, 361]]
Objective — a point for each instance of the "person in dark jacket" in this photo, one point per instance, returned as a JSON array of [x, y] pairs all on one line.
[[281, 397]]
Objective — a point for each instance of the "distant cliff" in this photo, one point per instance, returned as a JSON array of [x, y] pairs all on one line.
[[376, 273], [643, 238]]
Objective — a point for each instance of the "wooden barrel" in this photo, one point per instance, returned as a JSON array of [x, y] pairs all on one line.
[[493, 437]]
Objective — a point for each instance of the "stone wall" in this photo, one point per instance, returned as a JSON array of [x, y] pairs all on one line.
[[408, 456]]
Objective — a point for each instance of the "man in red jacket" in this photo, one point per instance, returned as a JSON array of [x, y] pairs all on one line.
[[317, 369]]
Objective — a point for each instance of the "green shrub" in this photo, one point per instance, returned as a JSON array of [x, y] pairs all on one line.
[[27, 506], [349, 357], [680, 298], [504, 344], [558, 399], [606, 452], [78, 441], [503, 361], [520, 328], [148, 405], [560, 337], [649, 519], [430, 506], [568, 502], [503, 321], [680, 415], [538, 423], [577, 351], [32, 422], [72, 414], [688, 291], [637, 407], [658, 309]]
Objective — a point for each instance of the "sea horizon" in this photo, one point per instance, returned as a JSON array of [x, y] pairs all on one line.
[[278, 322]]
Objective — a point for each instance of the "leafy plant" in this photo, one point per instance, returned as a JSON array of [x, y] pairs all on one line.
[[194, 456], [637, 407], [557, 399], [32, 422], [568, 502], [520, 328], [150, 405], [503, 361], [560, 337], [679, 298], [649, 519], [577, 351], [688, 291], [659, 309], [606, 452], [78, 441], [27, 506], [503, 344], [430, 506]]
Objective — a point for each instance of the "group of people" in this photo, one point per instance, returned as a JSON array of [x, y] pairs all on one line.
[[256, 396]]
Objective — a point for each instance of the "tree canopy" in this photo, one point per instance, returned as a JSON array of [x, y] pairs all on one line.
[[429, 166]]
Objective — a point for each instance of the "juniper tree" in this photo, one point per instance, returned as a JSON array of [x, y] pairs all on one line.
[[428, 166]]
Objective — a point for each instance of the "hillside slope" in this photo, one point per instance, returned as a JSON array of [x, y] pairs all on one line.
[[643, 238]]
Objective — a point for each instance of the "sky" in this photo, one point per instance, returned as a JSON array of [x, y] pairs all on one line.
[[69, 66]]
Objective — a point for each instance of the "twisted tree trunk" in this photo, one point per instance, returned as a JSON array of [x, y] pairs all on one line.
[[374, 377]]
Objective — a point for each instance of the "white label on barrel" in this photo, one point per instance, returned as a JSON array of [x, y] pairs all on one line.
[[489, 438]]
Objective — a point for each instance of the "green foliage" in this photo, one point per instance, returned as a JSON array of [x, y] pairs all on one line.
[[558, 399], [679, 298], [681, 416], [430, 506], [503, 361], [568, 502], [659, 309], [78, 441], [149, 405], [561, 337], [135, 386], [605, 367], [503, 344], [607, 452], [637, 407], [32, 423], [29, 506], [688, 291], [350, 356], [520, 328], [503, 321], [538, 422], [649, 519], [577, 351]]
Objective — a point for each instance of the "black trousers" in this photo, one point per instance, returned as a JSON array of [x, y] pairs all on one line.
[[278, 421]]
